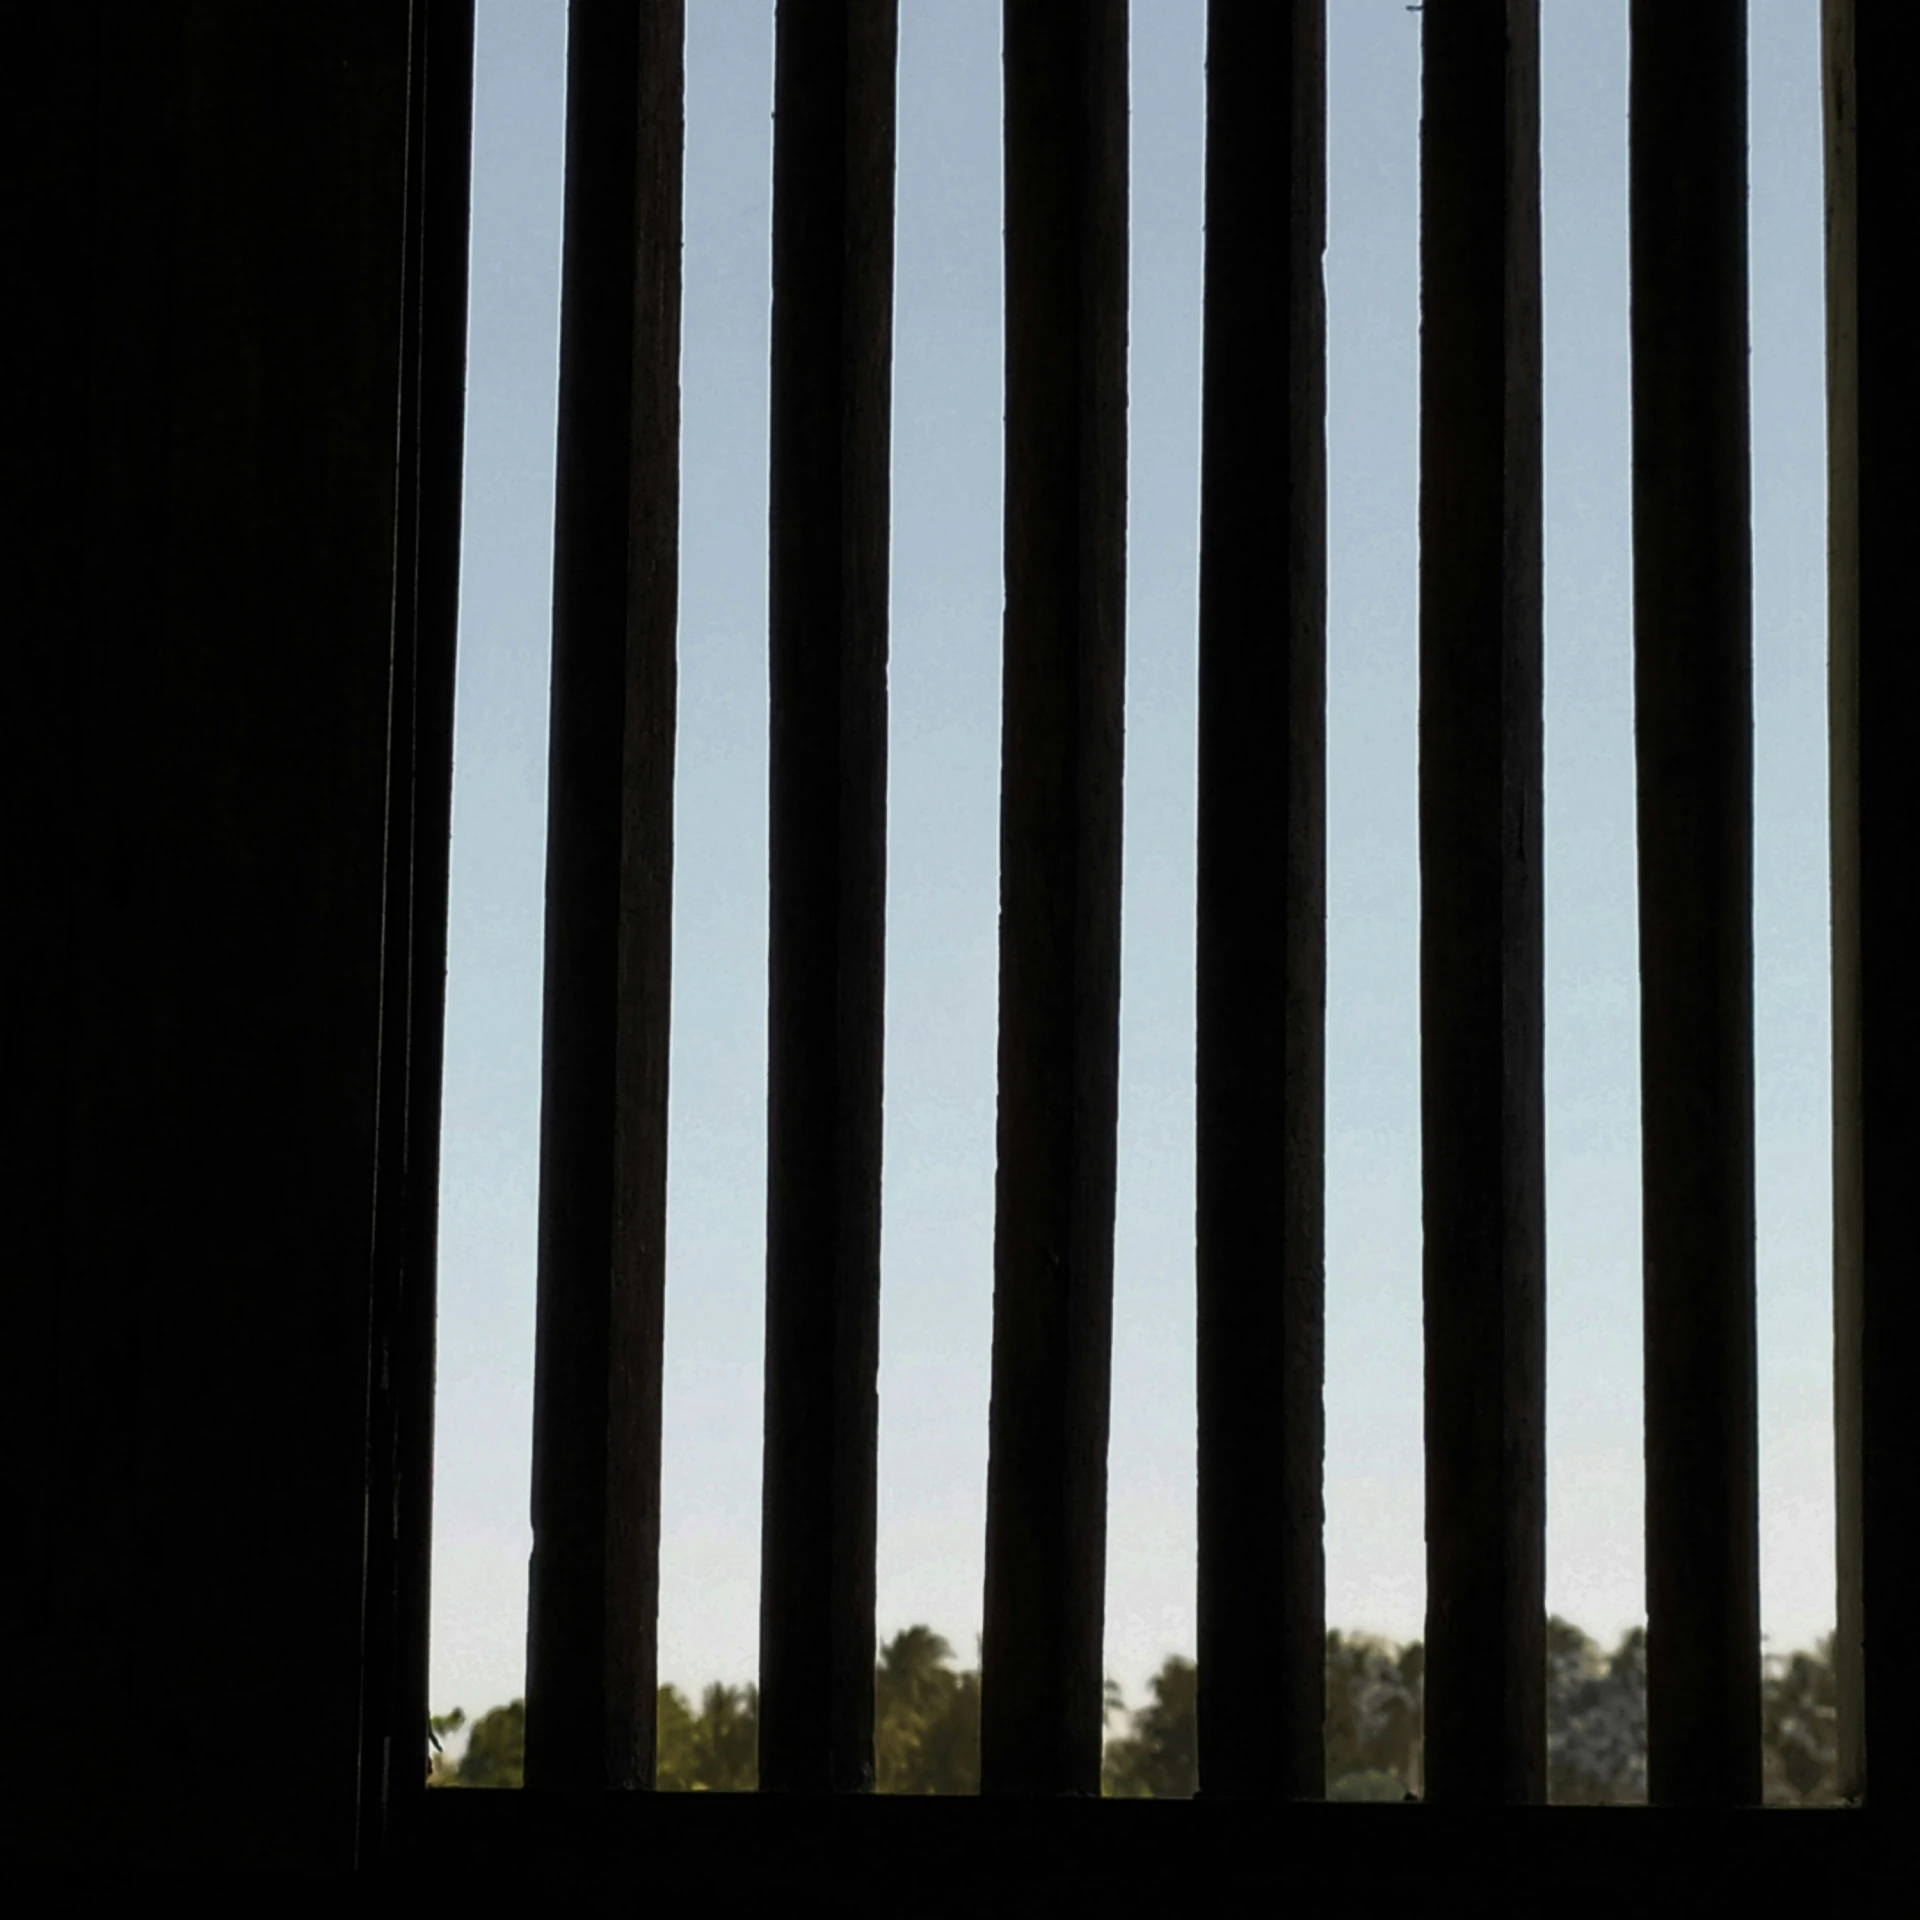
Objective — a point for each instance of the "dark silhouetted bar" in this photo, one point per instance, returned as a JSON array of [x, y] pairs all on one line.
[[1693, 728], [1873, 415], [419, 815], [1262, 967], [1481, 903], [1062, 715], [1839, 97], [603, 1124], [832, 355]]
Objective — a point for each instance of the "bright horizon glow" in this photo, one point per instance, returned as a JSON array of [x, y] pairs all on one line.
[[943, 839]]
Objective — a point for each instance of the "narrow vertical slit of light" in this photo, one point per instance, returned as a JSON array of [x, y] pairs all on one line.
[[595, 1574], [1693, 702], [1481, 903], [1873, 402], [833, 184], [1062, 713], [1261, 949]]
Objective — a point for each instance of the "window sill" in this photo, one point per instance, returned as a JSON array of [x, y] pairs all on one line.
[[883, 1843]]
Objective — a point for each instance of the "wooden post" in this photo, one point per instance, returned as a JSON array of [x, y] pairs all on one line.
[[832, 360], [1261, 1013], [1481, 953], [1693, 728], [1063, 709], [593, 1600]]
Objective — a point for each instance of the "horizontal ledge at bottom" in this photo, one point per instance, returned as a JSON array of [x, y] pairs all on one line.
[[987, 1844]]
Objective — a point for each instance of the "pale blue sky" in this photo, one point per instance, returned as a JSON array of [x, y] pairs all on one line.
[[943, 823]]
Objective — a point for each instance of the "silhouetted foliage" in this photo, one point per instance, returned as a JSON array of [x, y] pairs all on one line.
[[926, 1720], [1158, 1756], [1596, 1719], [1798, 1708], [1375, 1725], [927, 1726], [676, 1763], [723, 1752], [496, 1754], [439, 1768]]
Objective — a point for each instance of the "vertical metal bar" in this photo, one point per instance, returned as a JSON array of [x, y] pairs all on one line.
[[1261, 950], [591, 1632], [833, 148], [1063, 697], [1873, 179], [413, 1013], [1840, 92], [1693, 705], [1481, 993]]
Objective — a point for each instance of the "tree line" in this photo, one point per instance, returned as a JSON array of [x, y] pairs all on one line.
[[927, 1726]]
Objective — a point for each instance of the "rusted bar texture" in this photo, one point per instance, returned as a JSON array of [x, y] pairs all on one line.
[[1873, 414], [1062, 714], [833, 160], [1261, 1014], [603, 1127], [1693, 727], [1481, 902]]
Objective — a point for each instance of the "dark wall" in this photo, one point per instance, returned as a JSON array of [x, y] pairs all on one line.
[[205, 593]]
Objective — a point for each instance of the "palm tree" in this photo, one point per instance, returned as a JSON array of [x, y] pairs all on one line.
[[926, 1734], [913, 1664], [1158, 1758]]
